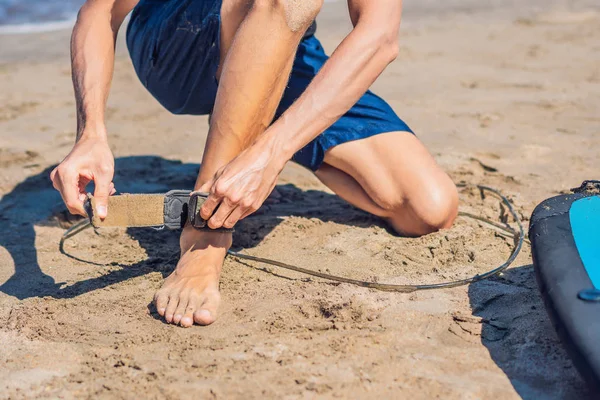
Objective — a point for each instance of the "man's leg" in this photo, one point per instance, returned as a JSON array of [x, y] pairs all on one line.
[[392, 175], [258, 44]]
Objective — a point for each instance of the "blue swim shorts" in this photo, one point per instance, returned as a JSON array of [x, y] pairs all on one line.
[[174, 47]]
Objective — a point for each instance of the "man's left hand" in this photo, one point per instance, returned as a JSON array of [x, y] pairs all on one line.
[[240, 187]]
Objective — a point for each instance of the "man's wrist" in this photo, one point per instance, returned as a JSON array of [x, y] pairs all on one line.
[[93, 132], [280, 150]]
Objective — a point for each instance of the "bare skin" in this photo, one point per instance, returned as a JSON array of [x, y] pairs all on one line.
[[245, 85], [390, 175]]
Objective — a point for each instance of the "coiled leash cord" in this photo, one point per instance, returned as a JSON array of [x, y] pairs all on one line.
[[518, 239]]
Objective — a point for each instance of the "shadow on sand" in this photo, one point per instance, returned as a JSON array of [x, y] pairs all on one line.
[[35, 202], [520, 338]]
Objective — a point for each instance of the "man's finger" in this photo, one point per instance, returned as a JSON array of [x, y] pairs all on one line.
[[209, 206], [206, 186], [216, 221], [247, 212], [69, 190], [101, 193], [212, 202], [53, 175], [234, 217]]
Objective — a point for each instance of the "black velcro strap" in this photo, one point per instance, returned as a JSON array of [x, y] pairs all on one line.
[[183, 206], [176, 208]]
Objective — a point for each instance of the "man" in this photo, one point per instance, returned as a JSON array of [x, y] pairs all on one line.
[[249, 63]]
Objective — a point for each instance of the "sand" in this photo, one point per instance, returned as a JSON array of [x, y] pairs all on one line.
[[502, 93]]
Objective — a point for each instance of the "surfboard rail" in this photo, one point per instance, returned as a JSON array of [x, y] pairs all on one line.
[[565, 238]]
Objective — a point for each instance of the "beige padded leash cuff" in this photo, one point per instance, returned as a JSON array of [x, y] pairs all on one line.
[[130, 210]]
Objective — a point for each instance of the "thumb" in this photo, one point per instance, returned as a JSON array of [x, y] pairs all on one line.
[[101, 193], [206, 186]]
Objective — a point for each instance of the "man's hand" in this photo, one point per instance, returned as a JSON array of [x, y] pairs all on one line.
[[240, 187], [90, 160]]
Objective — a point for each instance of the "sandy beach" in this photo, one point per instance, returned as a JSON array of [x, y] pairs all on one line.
[[502, 93]]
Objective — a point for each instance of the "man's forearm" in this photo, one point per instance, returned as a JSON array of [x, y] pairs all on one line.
[[92, 59], [344, 78]]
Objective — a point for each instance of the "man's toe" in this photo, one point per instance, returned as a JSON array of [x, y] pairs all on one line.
[[203, 317], [161, 299], [171, 307], [188, 317], [180, 310], [207, 314]]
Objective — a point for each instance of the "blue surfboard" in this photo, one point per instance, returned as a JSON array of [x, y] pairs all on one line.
[[565, 242]]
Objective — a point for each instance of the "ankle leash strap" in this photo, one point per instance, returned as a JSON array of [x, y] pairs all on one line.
[[171, 210]]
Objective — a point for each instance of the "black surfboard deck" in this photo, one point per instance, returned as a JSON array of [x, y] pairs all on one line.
[[565, 241]]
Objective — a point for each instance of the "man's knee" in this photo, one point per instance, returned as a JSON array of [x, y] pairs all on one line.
[[430, 207], [299, 14], [440, 207]]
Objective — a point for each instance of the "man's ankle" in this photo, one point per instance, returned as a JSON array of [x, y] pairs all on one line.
[[201, 239]]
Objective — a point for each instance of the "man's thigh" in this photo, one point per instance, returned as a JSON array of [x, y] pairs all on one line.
[[174, 47]]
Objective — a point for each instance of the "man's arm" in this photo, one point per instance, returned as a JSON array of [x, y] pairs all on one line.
[[346, 76], [92, 59]]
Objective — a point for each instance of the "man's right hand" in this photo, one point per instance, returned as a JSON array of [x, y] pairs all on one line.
[[89, 160]]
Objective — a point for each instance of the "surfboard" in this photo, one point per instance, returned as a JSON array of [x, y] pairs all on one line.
[[565, 239]]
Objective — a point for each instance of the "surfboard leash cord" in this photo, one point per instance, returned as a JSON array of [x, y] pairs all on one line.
[[518, 236]]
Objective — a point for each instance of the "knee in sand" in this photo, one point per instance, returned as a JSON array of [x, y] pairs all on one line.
[[429, 208]]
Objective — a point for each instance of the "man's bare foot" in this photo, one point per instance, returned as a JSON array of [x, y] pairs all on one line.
[[191, 293]]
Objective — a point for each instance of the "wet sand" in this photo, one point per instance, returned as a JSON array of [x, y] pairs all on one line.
[[503, 94]]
